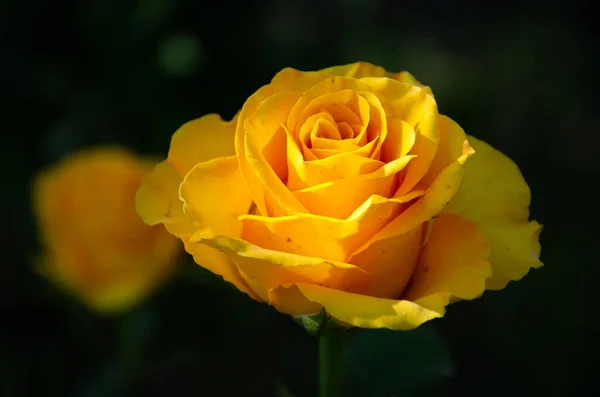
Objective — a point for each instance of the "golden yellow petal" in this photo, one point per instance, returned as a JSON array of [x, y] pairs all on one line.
[[357, 70], [495, 196], [286, 81], [218, 263], [343, 88], [287, 298], [366, 311], [303, 174], [200, 140], [453, 264], [265, 269], [322, 236], [417, 107], [214, 196], [399, 141], [432, 202], [453, 145], [157, 200], [345, 105], [339, 199], [264, 157], [390, 262], [405, 77]]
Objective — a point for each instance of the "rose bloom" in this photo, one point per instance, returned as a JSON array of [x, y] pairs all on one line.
[[345, 189], [95, 245]]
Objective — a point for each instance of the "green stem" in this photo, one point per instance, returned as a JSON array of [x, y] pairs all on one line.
[[330, 352]]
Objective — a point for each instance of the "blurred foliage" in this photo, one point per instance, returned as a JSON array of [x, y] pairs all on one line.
[[521, 75]]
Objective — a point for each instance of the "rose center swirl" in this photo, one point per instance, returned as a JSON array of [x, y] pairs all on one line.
[[343, 122]]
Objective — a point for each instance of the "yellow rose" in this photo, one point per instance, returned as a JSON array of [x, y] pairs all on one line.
[[345, 189], [95, 245]]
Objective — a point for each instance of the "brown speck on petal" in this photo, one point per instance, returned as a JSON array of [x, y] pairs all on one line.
[[168, 213]]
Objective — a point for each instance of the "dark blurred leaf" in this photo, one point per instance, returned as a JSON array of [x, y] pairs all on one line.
[[179, 55], [389, 363], [135, 333], [110, 381], [282, 391]]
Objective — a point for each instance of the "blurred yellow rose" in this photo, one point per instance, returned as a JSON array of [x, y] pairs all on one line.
[[345, 189], [95, 245]]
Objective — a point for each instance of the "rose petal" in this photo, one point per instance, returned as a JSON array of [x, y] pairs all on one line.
[[454, 152], [399, 141], [366, 311], [418, 108], [405, 77], [377, 128], [390, 262], [287, 81], [364, 69], [495, 196], [331, 91], [265, 269], [200, 140], [214, 196], [342, 106], [303, 174], [453, 145], [218, 263], [157, 200], [288, 299], [338, 199], [357, 70], [453, 264], [264, 157], [337, 238]]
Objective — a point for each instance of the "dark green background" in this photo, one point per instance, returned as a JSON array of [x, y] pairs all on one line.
[[522, 76]]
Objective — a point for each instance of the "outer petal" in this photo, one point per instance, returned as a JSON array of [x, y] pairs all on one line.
[[405, 77], [200, 140], [453, 145], [364, 69], [366, 311], [357, 70], [157, 200], [452, 265], [218, 263], [213, 196], [265, 270], [495, 196]]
